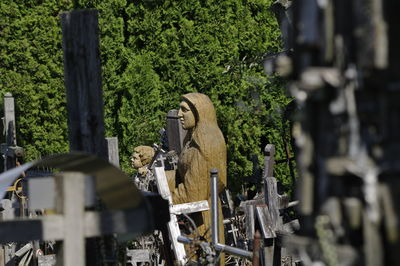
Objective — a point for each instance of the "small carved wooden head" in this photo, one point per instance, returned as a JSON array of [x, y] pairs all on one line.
[[142, 155]]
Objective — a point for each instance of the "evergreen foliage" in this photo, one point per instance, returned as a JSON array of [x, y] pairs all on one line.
[[152, 52], [31, 68]]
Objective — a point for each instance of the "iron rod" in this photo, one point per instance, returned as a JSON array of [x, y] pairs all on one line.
[[221, 247], [233, 250], [214, 206]]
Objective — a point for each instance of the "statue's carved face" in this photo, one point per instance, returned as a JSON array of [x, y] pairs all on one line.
[[186, 116], [135, 160]]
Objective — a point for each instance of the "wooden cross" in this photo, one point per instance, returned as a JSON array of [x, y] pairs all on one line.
[[265, 211], [173, 227], [72, 224]]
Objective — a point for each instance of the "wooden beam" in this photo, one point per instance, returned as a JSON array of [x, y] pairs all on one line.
[[71, 188], [20, 230], [82, 74], [265, 221], [175, 132], [10, 130], [137, 221], [50, 228], [269, 160], [9, 119], [191, 207], [273, 204], [250, 221]]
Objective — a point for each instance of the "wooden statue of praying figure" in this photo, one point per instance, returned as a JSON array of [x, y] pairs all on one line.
[[204, 148]]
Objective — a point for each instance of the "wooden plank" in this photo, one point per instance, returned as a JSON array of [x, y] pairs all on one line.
[[51, 227], [175, 132], [191, 207], [273, 205], [270, 187], [173, 228], [141, 256], [283, 201], [10, 130], [41, 193], [2, 255], [291, 226], [265, 221], [46, 260], [9, 119], [268, 256], [112, 150], [373, 249], [20, 230], [136, 221], [269, 160], [250, 221], [23, 250], [71, 188], [82, 74], [8, 212], [9, 162]]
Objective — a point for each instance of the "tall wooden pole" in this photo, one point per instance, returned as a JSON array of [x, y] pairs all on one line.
[[10, 130], [82, 74]]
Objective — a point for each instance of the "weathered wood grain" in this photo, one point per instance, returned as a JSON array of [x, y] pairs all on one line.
[[71, 186], [250, 221], [190, 207], [112, 150], [265, 221], [175, 132], [269, 160], [82, 74]]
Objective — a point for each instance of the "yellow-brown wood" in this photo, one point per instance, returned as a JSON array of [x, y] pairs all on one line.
[[204, 149]]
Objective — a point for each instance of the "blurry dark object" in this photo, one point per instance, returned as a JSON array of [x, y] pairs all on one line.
[[343, 72]]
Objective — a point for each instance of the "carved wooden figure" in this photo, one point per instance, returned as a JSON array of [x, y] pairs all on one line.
[[204, 149], [141, 157]]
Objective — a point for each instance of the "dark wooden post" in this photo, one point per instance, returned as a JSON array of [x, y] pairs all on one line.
[[269, 160], [175, 132], [270, 185], [9, 150], [10, 130], [271, 251], [82, 74]]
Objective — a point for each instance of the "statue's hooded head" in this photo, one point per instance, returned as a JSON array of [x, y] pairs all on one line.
[[206, 134], [205, 124], [202, 108]]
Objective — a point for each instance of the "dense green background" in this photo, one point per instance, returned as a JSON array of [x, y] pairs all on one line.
[[152, 52]]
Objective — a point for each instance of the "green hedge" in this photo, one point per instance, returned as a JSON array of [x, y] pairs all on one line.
[[152, 52], [31, 68]]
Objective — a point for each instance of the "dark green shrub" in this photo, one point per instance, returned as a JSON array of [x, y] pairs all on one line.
[[31, 68]]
